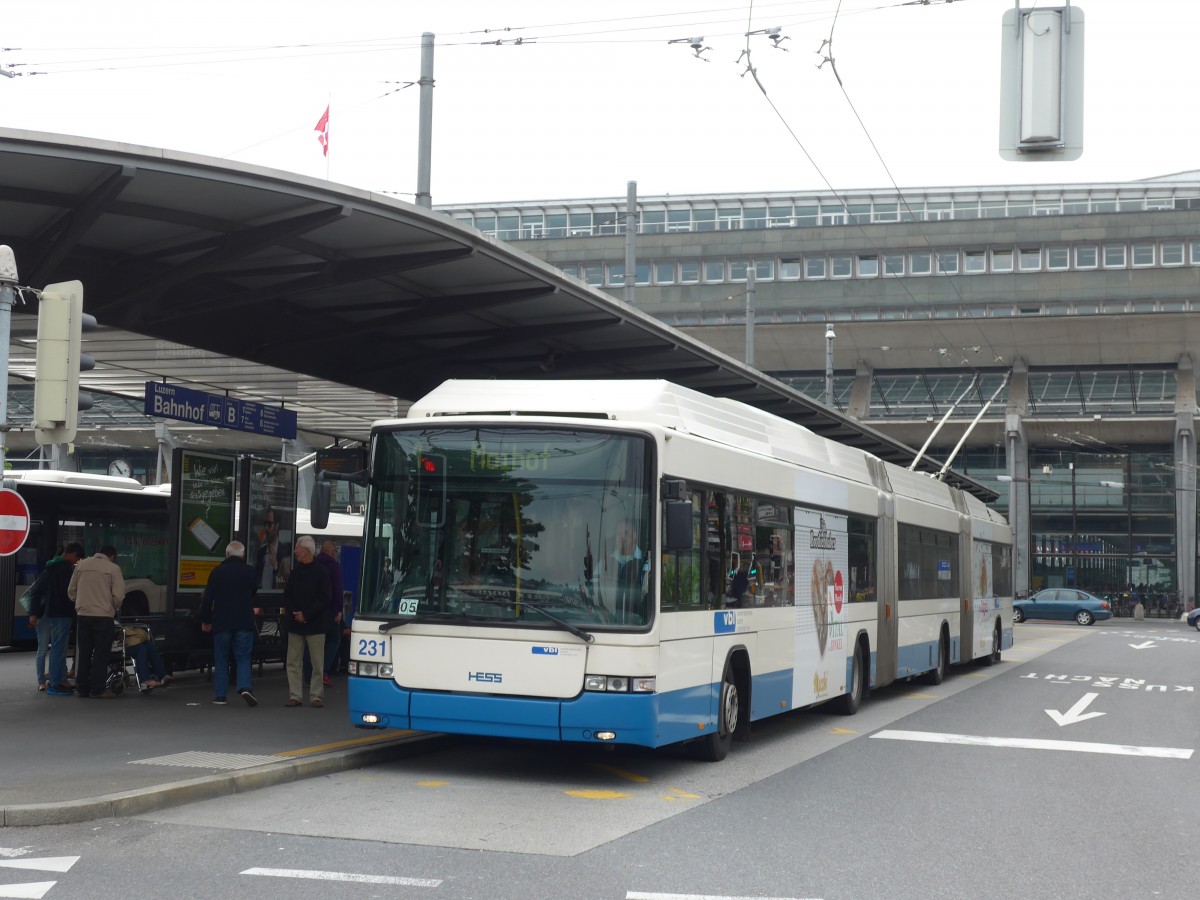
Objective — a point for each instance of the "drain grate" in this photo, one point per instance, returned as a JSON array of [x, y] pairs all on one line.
[[201, 759]]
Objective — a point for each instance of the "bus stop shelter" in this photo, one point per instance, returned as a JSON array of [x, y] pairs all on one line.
[[341, 304]]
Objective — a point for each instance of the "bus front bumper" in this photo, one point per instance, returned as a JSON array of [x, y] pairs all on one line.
[[647, 720]]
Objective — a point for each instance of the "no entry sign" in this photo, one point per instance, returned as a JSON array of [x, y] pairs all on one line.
[[14, 522]]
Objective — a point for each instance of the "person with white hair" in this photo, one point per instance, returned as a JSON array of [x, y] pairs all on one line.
[[306, 600], [227, 612]]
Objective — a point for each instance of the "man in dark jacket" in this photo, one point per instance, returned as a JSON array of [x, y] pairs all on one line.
[[333, 625], [306, 600], [49, 601], [227, 611]]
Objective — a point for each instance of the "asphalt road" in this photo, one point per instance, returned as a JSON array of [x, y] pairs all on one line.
[[1067, 771]]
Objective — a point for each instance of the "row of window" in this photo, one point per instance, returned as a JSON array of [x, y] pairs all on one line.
[[915, 263], [743, 554], [803, 213], [733, 316], [746, 558]]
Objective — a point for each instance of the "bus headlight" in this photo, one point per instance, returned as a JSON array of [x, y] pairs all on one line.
[[370, 669], [620, 684]]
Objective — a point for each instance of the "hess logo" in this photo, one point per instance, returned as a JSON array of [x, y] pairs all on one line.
[[486, 677]]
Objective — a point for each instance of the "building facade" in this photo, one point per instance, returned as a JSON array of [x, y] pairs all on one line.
[[1049, 326]]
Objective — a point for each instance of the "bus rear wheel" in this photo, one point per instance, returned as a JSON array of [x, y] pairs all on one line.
[[937, 675], [849, 702], [714, 747], [994, 657]]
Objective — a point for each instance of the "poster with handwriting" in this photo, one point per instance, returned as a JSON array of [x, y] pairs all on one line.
[[206, 493]]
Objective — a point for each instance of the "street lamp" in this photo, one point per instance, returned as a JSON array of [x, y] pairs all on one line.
[[829, 336], [1008, 478]]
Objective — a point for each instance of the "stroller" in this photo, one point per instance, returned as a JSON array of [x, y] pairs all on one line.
[[122, 670]]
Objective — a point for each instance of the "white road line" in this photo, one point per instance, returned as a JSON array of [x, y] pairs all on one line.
[[314, 875], [31, 890], [44, 863], [642, 895], [1033, 744]]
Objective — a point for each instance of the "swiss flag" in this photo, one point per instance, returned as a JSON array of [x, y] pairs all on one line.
[[323, 128]]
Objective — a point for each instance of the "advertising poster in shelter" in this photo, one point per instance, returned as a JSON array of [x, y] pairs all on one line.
[[269, 511], [203, 489], [821, 574]]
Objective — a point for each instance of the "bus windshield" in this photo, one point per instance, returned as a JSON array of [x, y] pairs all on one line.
[[545, 528]]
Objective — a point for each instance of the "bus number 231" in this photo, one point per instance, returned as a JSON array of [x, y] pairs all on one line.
[[371, 647]]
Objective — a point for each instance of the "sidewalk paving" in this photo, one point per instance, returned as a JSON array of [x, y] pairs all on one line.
[[72, 760]]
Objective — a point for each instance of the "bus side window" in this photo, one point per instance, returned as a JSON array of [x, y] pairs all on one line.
[[717, 548], [681, 569]]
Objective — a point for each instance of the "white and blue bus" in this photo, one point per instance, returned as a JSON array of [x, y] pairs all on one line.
[[634, 562]]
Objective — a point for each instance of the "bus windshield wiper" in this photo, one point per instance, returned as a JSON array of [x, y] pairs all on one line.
[[585, 636], [385, 627]]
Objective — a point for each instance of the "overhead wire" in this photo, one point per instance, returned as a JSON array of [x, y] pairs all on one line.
[[752, 71]]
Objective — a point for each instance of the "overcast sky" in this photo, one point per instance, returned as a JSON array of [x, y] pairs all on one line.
[[595, 95]]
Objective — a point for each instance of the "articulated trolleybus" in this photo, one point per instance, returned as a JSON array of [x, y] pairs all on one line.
[[634, 562]]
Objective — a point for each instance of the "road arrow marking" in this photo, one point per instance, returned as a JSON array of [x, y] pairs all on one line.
[[33, 890], [1143, 645], [1075, 713], [44, 863]]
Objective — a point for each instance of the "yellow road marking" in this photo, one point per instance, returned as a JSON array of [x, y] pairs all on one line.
[[620, 773], [432, 783], [844, 731], [923, 697], [596, 795], [684, 794], [321, 748]]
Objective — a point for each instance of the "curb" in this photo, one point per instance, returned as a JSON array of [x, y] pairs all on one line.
[[207, 787]]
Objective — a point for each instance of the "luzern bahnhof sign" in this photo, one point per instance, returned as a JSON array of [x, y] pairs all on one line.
[[170, 401]]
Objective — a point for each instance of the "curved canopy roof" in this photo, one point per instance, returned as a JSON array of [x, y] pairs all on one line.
[[334, 301]]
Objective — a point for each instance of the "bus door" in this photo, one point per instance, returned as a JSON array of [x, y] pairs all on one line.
[[887, 602], [967, 562]]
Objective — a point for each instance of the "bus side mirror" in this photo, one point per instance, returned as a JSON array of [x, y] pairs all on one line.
[[318, 507], [678, 519]]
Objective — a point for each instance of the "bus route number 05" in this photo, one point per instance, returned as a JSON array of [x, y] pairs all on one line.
[[408, 606]]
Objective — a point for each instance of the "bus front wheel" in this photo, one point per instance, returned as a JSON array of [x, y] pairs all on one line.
[[714, 747]]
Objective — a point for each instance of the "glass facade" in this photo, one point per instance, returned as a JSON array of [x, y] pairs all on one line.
[[1100, 522], [1052, 394]]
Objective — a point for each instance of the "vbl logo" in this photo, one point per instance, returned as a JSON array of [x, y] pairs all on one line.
[[486, 677]]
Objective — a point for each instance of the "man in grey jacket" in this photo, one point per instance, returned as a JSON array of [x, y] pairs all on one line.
[[97, 589]]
